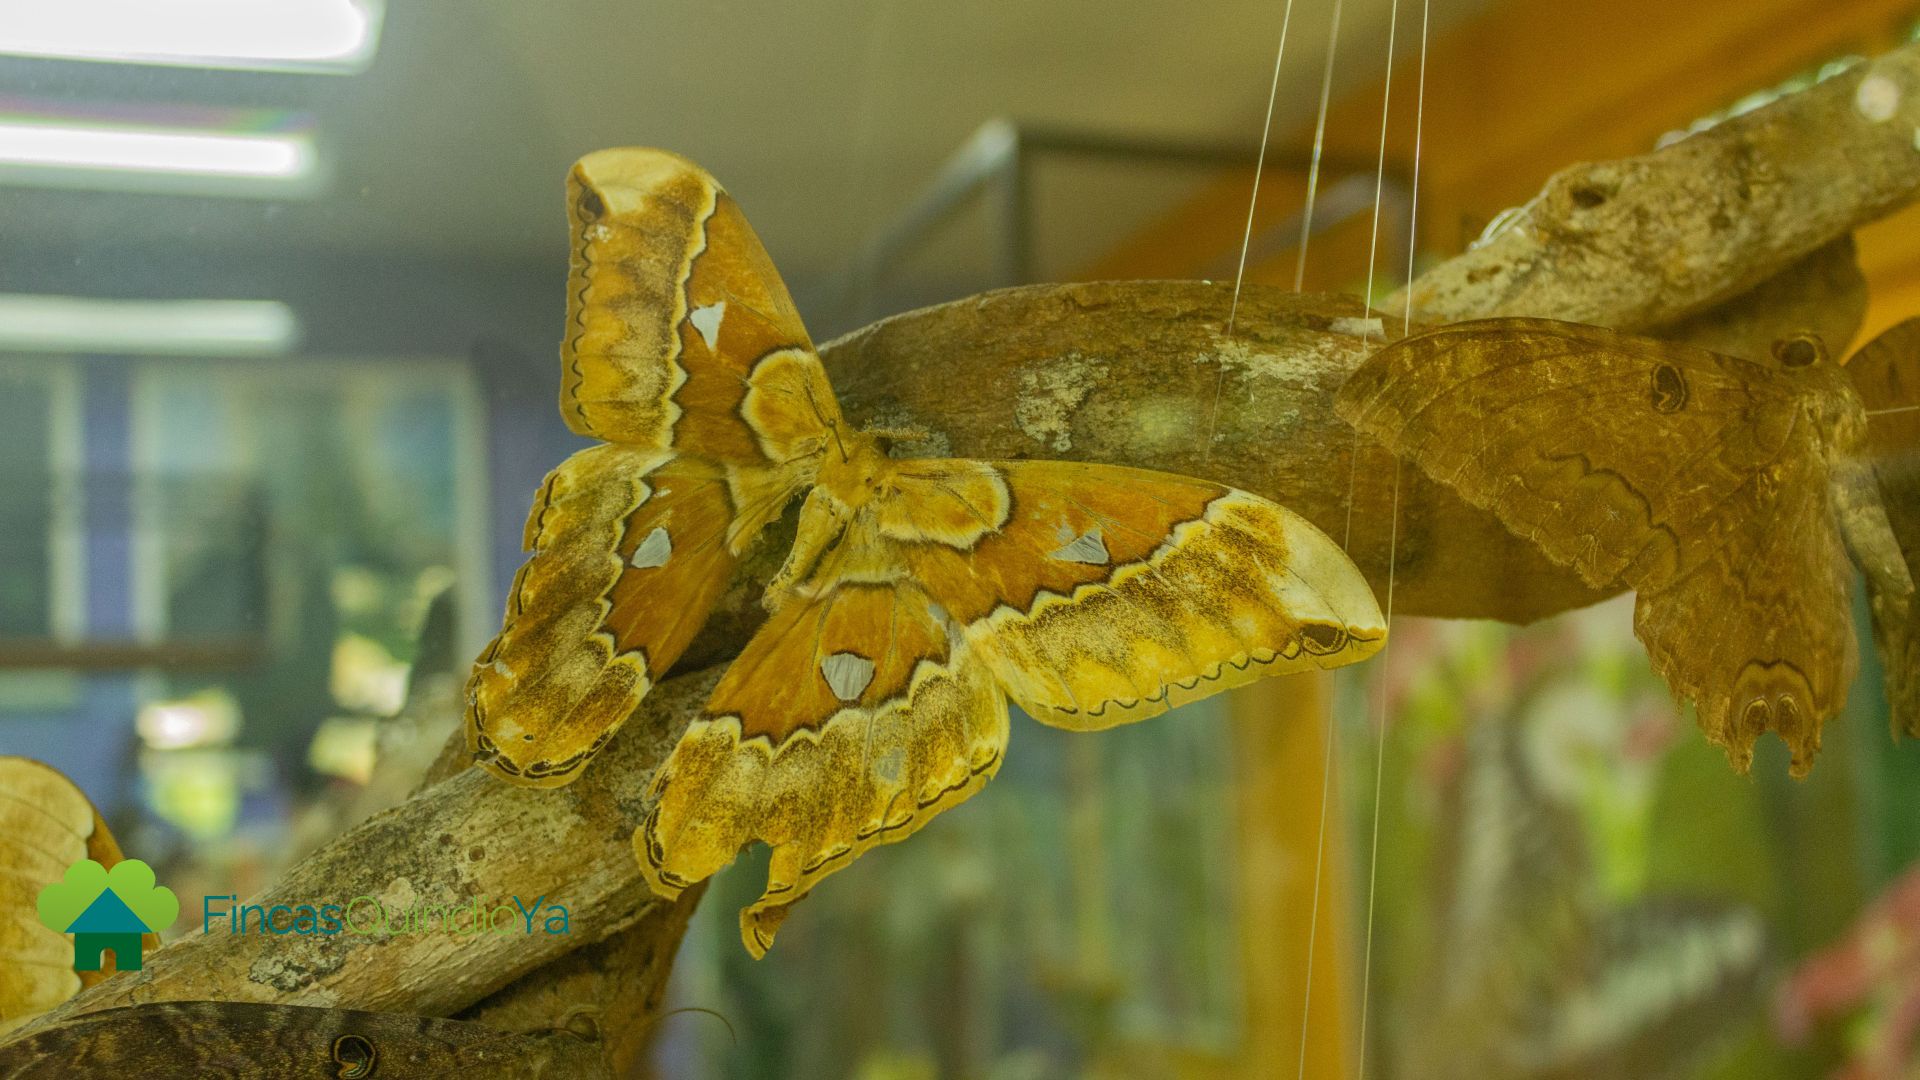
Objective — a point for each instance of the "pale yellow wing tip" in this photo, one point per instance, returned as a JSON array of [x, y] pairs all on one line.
[[622, 175]]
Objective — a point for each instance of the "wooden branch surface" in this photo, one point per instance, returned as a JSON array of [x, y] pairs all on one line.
[[470, 835], [1644, 241]]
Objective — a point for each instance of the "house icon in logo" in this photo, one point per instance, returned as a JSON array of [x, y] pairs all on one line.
[[107, 911], [108, 925]]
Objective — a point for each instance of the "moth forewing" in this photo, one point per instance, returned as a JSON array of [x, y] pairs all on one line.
[[627, 556], [1244, 590]]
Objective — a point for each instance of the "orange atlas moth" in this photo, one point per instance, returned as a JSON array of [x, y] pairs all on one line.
[[918, 599], [1729, 494]]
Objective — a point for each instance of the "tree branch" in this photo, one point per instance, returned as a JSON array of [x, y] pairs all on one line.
[[1644, 241]]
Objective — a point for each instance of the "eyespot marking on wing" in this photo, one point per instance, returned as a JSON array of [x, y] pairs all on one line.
[[1669, 389]]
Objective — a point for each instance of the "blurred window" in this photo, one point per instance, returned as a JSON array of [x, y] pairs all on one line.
[[38, 594], [306, 512]]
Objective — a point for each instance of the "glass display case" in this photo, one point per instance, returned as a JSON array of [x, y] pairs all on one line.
[[1530, 391]]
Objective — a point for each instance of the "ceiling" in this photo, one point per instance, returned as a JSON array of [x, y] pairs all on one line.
[[824, 118]]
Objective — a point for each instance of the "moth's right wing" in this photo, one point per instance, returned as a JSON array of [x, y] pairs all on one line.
[[1106, 595]]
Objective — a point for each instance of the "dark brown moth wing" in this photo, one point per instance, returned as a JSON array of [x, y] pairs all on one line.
[[215, 1039], [1886, 372], [1697, 479]]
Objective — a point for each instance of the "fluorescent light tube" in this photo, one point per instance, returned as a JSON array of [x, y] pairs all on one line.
[[181, 151], [322, 36], [76, 324], [159, 150]]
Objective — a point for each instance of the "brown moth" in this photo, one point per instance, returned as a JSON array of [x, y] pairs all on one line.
[[1886, 372], [919, 596], [211, 1039], [1726, 493], [46, 825]]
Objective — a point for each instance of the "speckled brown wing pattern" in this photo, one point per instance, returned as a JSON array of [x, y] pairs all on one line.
[[1886, 372], [211, 1039], [628, 554], [1697, 479], [876, 696]]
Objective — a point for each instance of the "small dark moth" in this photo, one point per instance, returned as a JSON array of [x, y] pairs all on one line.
[[1736, 498]]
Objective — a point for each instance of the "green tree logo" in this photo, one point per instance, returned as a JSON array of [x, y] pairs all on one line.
[[107, 911]]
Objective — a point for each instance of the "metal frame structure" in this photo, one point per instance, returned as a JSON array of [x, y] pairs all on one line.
[[997, 162]]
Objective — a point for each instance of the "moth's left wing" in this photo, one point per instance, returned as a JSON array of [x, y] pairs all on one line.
[[684, 352], [1886, 372], [628, 554], [1105, 595], [849, 720]]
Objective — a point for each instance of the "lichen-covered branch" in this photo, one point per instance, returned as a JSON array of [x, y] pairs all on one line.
[[1640, 242], [469, 837]]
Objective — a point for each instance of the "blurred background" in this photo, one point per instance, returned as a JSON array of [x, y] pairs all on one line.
[[280, 290]]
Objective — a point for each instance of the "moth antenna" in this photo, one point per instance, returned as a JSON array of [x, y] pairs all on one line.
[[832, 425], [732, 1036]]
